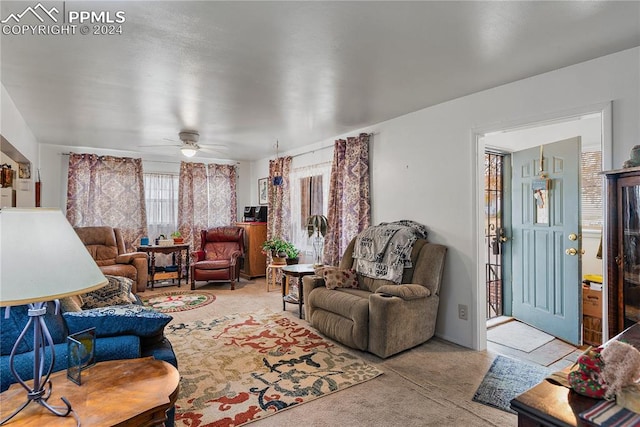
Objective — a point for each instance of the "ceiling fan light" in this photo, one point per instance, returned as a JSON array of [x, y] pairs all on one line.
[[188, 151]]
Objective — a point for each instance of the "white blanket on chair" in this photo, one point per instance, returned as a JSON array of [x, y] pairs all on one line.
[[384, 251]]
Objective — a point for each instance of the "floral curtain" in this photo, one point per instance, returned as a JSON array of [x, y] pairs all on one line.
[[349, 203], [223, 206], [193, 202], [206, 198], [105, 190], [279, 212]]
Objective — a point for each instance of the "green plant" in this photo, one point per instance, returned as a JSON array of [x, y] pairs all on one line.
[[318, 225], [280, 247], [291, 251], [176, 234]]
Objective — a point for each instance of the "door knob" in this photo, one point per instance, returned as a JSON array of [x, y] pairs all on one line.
[[574, 251], [573, 236]]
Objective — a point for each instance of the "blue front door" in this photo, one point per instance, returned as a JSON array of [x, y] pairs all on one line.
[[546, 243]]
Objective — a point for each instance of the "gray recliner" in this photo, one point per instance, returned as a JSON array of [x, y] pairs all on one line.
[[380, 317]]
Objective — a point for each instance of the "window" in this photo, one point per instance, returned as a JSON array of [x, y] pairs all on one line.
[[161, 198], [309, 196], [591, 203]]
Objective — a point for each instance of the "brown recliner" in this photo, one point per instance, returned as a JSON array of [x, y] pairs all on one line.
[[106, 246], [379, 316], [218, 258]]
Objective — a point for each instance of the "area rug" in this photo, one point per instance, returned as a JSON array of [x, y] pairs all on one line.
[[506, 379], [245, 367], [519, 336], [171, 302]]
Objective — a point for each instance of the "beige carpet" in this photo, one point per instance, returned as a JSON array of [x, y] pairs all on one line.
[[430, 385]]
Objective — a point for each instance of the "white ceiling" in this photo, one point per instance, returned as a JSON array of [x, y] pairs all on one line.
[[247, 73]]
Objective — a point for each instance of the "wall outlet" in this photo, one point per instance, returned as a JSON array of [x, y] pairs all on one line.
[[463, 312]]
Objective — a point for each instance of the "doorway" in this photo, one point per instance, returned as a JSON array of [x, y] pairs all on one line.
[[494, 290], [494, 231]]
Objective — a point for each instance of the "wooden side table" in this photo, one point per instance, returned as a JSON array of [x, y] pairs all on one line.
[[152, 250], [272, 275], [295, 270], [129, 392]]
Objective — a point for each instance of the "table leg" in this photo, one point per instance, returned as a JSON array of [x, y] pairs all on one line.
[[179, 265], [284, 291], [300, 298], [153, 268], [188, 266]]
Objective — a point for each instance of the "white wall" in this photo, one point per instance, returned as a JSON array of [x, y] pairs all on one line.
[[23, 146], [423, 163]]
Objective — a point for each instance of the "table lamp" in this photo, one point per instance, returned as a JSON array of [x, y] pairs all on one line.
[[41, 259]]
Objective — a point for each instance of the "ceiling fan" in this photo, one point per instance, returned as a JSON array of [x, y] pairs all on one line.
[[189, 144]]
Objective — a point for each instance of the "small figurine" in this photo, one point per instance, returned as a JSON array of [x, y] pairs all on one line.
[[634, 160]]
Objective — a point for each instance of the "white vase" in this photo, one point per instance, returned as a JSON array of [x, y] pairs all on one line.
[[318, 248]]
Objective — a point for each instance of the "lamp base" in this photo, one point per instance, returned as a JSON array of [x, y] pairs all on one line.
[[40, 391]]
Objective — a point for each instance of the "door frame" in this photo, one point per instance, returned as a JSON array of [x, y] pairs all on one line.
[[479, 293]]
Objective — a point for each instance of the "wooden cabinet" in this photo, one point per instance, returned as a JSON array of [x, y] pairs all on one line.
[[255, 262], [623, 248], [7, 197]]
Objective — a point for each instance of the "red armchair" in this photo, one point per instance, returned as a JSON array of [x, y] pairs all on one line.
[[218, 258]]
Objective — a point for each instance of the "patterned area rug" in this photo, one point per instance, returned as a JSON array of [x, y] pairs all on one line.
[[170, 302], [506, 379], [242, 368]]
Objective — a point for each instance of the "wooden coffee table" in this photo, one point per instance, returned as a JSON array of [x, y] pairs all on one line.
[[130, 392]]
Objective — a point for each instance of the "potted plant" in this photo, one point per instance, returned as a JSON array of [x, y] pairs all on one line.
[[177, 237], [279, 250], [292, 253]]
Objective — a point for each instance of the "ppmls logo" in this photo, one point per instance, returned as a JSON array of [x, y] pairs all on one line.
[[16, 17], [41, 20]]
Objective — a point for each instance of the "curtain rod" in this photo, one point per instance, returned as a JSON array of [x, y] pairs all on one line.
[[149, 161], [237, 163], [322, 148]]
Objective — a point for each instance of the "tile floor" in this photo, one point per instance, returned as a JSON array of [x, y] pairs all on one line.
[[554, 353]]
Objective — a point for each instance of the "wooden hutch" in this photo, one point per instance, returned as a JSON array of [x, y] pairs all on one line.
[[623, 248]]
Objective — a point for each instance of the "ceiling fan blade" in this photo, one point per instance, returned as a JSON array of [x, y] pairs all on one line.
[[161, 145], [210, 150], [217, 147]]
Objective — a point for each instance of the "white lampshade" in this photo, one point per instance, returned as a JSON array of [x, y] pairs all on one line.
[[42, 258], [188, 151]]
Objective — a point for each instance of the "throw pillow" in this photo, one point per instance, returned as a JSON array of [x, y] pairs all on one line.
[[335, 277], [132, 319], [116, 292]]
